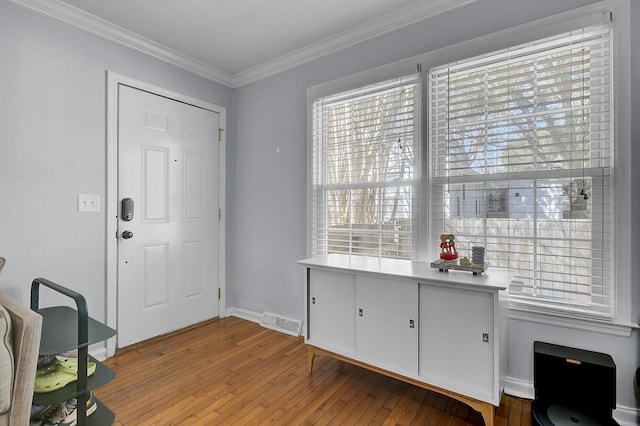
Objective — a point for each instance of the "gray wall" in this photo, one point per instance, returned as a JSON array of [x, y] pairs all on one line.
[[267, 193], [53, 146]]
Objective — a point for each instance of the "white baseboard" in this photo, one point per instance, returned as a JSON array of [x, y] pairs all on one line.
[[626, 416], [244, 314], [250, 316], [519, 388], [99, 353]]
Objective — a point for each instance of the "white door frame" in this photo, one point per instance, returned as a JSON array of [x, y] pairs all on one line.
[[111, 202]]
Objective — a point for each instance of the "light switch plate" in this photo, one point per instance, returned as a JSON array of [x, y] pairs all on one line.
[[88, 203]]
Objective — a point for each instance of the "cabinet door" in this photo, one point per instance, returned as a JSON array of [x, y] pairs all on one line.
[[331, 311], [457, 340], [387, 323]]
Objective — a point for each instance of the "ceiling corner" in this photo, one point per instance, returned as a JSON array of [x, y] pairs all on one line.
[[366, 31], [416, 12], [110, 31]]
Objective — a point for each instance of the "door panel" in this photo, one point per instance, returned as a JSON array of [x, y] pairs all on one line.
[[193, 186], [154, 279], [331, 316], [466, 363], [154, 196], [168, 163], [387, 323], [193, 260]]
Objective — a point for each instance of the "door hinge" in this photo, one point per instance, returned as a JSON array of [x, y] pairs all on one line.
[[219, 294], [220, 134], [219, 214]]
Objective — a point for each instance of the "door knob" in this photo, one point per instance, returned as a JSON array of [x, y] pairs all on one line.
[[127, 234]]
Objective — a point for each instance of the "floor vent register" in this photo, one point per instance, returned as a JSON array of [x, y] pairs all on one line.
[[280, 323]]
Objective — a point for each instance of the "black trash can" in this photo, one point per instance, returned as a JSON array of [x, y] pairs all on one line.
[[572, 387]]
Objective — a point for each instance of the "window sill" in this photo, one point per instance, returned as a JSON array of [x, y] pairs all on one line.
[[617, 328]]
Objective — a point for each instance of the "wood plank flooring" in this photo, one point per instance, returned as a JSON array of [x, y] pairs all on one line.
[[233, 372]]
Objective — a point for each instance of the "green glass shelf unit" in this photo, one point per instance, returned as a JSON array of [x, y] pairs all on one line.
[[64, 329]]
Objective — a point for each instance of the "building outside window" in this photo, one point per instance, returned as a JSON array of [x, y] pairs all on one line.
[[524, 138]]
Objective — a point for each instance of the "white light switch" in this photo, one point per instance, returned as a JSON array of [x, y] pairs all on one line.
[[88, 203]]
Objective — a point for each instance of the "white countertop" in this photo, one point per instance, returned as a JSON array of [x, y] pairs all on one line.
[[493, 278]]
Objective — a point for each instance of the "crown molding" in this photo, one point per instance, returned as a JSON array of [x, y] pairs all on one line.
[[374, 28], [91, 23], [358, 34]]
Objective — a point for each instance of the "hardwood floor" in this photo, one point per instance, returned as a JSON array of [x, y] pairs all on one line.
[[232, 371]]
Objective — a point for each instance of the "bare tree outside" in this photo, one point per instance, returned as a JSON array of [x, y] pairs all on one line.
[[370, 154], [522, 163]]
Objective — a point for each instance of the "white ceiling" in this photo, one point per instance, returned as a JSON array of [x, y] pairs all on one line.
[[235, 42]]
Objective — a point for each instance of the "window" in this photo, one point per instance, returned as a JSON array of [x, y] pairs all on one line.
[[502, 154], [520, 160], [363, 170]]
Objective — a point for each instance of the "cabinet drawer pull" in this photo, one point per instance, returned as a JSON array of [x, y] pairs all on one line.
[[412, 324], [313, 300], [360, 312]]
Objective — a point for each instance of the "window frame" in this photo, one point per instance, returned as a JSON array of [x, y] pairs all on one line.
[[321, 169], [619, 10], [451, 167]]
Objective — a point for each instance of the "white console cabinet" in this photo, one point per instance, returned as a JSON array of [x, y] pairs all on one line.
[[444, 331]]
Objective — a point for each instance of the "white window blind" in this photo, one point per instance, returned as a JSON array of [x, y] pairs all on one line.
[[363, 170], [520, 162]]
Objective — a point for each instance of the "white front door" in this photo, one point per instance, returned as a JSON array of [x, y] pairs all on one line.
[[168, 157]]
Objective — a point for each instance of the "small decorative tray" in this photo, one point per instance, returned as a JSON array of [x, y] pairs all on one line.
[[445, 265]]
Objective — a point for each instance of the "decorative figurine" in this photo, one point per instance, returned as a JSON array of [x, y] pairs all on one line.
[[448, 247], [449, 254]]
